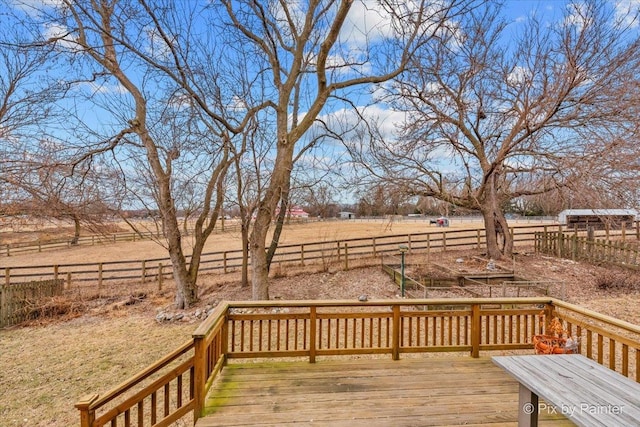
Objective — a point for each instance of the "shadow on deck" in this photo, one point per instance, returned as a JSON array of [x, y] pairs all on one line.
[[367, 392]]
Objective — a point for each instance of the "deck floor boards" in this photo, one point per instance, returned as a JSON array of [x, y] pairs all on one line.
[[367, 393]]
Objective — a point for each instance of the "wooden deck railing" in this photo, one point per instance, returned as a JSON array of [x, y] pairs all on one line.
[[178, 384]]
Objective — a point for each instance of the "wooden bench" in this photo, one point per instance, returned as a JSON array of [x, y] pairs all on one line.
[[582, 390]]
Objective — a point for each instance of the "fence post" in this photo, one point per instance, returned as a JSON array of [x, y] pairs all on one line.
[[224, 262], [409, 242], [560, 243], [160, 276], [39, 246], [478, 239], [7, 276], [346, 256], [374, 246], [444, 241], [99, 279], [144, 271], [624, 231], [68, 280], [338, 243], [55, 272], [428, 249], [302, 255]]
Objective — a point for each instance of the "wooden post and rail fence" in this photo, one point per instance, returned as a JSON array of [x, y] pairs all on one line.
[[93, 276], [586, 248], [175, 387]]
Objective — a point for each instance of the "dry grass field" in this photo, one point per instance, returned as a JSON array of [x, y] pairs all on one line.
[[49, 365], [229, 240]]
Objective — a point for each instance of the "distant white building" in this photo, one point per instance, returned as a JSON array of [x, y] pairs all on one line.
[[583, 218], [346, 215]]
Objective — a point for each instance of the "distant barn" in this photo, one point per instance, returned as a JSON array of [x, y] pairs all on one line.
[[346, 215], [597, 218]]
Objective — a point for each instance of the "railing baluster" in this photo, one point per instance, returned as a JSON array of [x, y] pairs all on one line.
[[612, 354], [600, 349], [140, 413], [167, 399], [154, 407]]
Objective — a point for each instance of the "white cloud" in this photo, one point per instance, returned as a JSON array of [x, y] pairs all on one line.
[[65, 38], [34, 7], [367, 22], [627, 12], [95, 88], [518, 76], [578, 15], [157, 46]]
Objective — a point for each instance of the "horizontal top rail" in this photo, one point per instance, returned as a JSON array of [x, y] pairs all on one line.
[[598, 316], [96, 401], [390, 303]]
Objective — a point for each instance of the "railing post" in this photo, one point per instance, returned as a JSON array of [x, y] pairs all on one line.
[[87, 415], [312, 334], [199, 375], [476, 330], [395, 338]]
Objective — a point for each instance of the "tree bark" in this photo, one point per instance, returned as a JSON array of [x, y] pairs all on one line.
[[499, 239], [277, 186], [76, 230]]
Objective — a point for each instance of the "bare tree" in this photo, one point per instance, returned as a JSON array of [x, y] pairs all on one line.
[[309, 62], [169, 105], [498, 111]]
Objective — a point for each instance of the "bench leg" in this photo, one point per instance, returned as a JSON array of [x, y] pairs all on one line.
[[527, 408]]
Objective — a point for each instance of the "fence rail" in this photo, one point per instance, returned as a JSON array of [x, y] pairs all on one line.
[[337, 253], [283, 329], [576, 247]]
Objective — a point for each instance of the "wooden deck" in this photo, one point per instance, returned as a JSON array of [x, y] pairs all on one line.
[[369, 393]]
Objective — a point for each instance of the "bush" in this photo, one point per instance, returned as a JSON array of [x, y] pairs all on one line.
[[618, 281]]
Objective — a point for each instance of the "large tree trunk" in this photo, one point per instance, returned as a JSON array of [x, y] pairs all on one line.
[[275, 239], [278, 184], [186, 288], [245, 252], [76, 230], [499, 240]]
